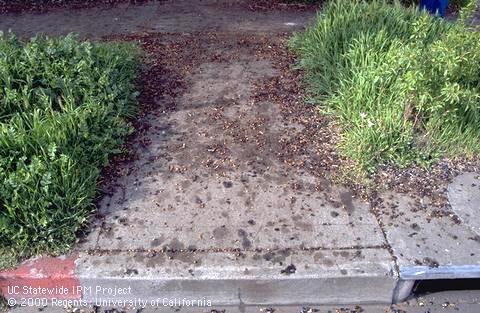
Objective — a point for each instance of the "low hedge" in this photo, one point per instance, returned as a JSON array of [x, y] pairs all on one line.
[[64, 107], [404, 85]]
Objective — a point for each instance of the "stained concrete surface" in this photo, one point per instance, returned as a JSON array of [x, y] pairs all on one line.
[[253, 202], [426, 242], [210, 210], [164, 16], [236, 278]]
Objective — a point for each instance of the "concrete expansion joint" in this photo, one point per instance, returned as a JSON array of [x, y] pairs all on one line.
[[227, 250], [403, 288], [388, 246]]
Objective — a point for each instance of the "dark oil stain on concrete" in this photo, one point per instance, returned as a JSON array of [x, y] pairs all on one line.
[[277, 256], [432, 263], [345, 254], [246, 243], [157, 242], [156, 260], [297, 219], [321, 258], [175, 245], [130, 271], [415, 227], [139, 257], [334, 214], [347, 201], [177, 250], [220, 232]]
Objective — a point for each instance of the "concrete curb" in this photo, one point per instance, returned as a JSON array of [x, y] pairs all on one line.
[[411, 274], [48, 273], [440, 272], [124, 278]]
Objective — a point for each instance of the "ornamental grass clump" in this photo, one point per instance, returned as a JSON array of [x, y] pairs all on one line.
[[64, 107], [404, 85]]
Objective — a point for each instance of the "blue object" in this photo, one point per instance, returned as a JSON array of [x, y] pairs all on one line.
[[434, 6]]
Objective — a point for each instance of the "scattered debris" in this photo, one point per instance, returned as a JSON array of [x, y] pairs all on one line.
[[290, 269]]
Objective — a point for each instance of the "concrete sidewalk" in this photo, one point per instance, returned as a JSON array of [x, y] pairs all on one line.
[[156, 16], [229, 197]]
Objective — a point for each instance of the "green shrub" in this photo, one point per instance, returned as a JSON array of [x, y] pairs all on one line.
[[404, 85], [63, 111]]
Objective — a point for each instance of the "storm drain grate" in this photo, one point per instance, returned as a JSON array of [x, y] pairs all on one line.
[[438, 285]]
